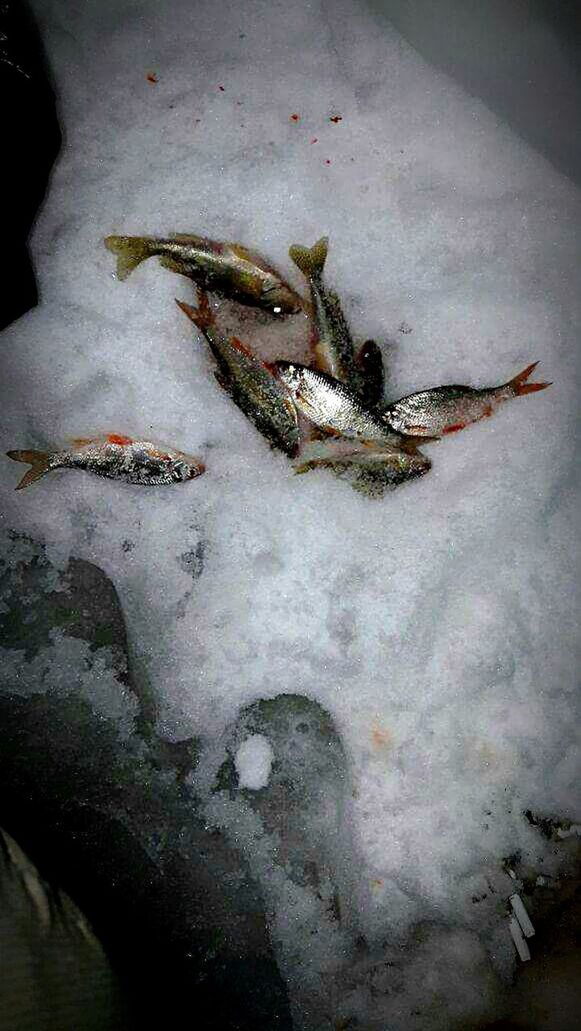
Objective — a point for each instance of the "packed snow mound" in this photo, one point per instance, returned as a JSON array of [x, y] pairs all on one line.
[[438, 626]]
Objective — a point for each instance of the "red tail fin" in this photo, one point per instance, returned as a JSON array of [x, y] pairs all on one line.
[[519, 386], [201, 316]]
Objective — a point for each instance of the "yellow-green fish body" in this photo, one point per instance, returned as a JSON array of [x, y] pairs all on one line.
[[370, 472], [332, 343], [229, 269]]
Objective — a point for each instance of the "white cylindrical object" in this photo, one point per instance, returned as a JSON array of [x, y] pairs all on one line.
[[518, 939], [522, 915]]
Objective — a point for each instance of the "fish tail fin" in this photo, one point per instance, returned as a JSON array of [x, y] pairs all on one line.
[[244, 349], [202, 316], [518, 385], [39, 462], [130, 251], [310, 260]]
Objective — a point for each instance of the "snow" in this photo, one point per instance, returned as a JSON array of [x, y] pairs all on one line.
[[438, 626], [253, 762]]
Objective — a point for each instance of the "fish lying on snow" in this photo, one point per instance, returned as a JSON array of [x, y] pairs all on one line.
[[335, 408], [434, 413], [371, 472], [116, 457], [333, 343], [225, 268], [249, 381]]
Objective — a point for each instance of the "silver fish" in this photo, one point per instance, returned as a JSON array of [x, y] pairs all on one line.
[[447, 409], [332, 341], [225, 268], [116, 457], [335, 408]]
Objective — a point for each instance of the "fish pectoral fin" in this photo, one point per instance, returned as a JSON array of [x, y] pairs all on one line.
[[39, 462], [305, 403], [416, 430], [290, 409]]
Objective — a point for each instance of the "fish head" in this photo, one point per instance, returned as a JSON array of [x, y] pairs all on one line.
[[280, 300], [185, 468], [290, 375]]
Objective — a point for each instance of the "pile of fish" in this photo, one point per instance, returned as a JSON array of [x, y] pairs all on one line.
[[330, 414]]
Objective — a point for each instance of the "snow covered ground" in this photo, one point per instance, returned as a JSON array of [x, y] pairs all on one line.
[[439, 626]]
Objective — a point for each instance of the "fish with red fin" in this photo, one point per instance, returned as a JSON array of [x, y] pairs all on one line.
[[116, 457], [447, 409], [336, 409], [251, 383]]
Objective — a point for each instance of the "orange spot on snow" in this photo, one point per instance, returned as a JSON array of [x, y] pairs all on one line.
[[152, 77], [118, 438], [336, 118], [454, 427], [381, 738], [295, 118], [315, 139]]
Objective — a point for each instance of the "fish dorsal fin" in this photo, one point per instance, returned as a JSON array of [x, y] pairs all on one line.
[[198, 241], [80, 441], [245, 254]]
